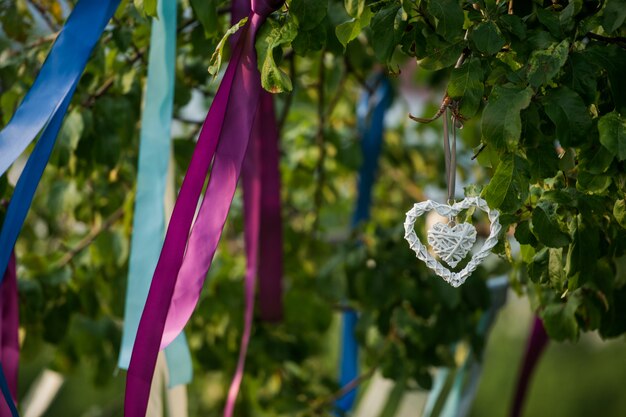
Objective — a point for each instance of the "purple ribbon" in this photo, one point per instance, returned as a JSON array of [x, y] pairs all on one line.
[[537, 343], [9, 341], [180, 274]]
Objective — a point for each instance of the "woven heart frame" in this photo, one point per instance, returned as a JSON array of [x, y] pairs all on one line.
[[453, 278]]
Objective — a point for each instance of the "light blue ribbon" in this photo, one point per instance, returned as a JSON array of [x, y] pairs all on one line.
[[149, 217], [44, 107], [459, 400], [370, 124]]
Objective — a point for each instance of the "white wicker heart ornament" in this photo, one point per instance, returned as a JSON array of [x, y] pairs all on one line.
[[451, 244]]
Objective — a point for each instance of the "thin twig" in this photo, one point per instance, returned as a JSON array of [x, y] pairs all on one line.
[[510, 6], [478, 152], [108, 83], [44, 15], [345, 389], [36, 43], [90, 237], [188, 121]]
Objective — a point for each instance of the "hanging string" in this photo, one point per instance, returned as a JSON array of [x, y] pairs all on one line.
[[449, 149]]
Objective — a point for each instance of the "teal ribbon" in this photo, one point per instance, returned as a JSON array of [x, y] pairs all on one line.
[[459, 400], [149, 218]]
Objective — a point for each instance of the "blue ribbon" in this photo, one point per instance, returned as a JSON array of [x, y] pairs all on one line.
[[370, 124], [44, 107], [149, 218], [459, 399]]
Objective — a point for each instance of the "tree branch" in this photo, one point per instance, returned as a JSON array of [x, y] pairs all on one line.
[[90, 237], [44, 15], [618, 40]]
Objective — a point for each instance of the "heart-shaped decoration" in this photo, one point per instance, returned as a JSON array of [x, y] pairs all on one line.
[[452, 244], [453, 278]]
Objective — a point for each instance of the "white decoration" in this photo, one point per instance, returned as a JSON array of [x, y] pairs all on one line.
[[452, 244], [453, 278]]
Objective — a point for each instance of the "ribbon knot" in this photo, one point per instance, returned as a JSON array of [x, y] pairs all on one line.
[[264, 8]]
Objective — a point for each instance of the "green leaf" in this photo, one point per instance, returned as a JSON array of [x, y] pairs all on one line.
[[514, 25], [569, 114], [612, 129], [440, 54], [354, 7], [308, 13], [619, 212], [612, 59], [448, 17], [545, 65], [501, 122], [148, 7], [466, 85], [206, 13], [216, 59], [508, 189], [596, 159], [523, 234], [559, 319], [614, 15], [348, 31], [272, 35], [307, 41], [487, 38], [581, 75], [593, 183], [384, 32], [546, 227], [556, 273], [584, 250]]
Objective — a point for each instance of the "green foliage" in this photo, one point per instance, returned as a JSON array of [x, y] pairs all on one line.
[[542, 88]]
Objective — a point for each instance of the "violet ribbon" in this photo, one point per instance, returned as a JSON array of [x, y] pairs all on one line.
[[537, 342], [9, 340], [180, 274]]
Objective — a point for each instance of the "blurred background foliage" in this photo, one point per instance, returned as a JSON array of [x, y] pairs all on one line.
[[542, 86]]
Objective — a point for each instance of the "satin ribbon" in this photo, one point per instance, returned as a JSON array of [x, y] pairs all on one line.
[[44, 107], [370, 124], [9, 343], [537, 342], [180, 274], [149, 217], [459, 400]]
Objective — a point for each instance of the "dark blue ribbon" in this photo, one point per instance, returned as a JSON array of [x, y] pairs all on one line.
[[44, 108], [371, 110], [6, 393]]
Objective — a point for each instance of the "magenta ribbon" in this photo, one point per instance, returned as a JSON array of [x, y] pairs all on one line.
[[537, 343], [9, 340], [180, 273]]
